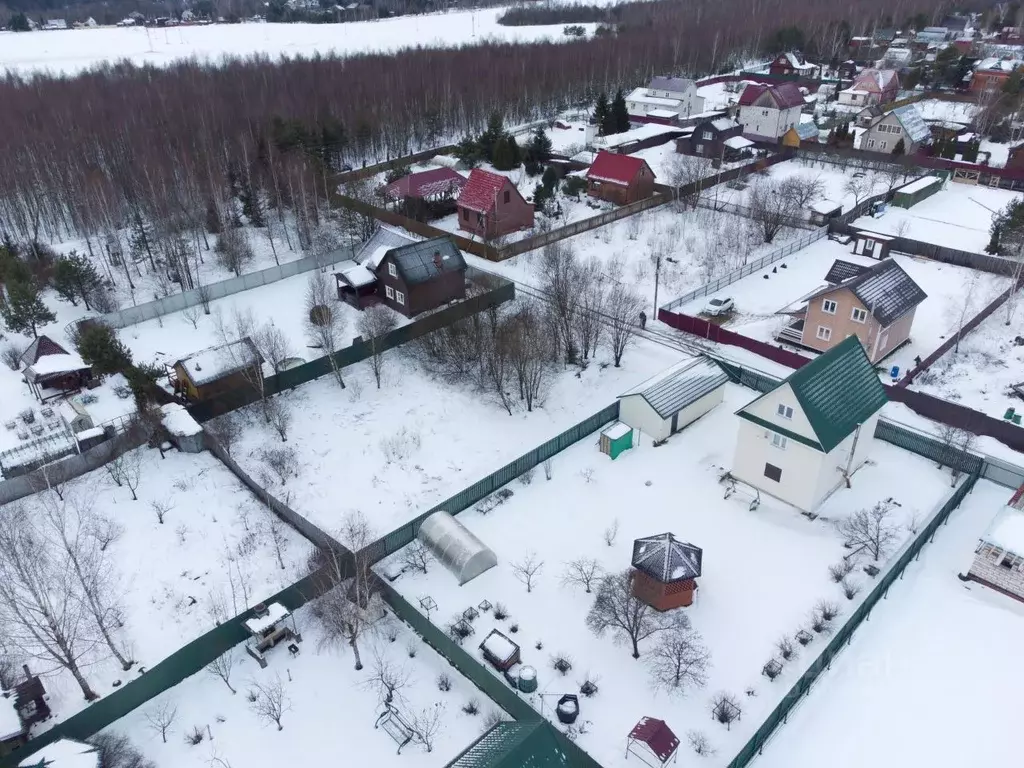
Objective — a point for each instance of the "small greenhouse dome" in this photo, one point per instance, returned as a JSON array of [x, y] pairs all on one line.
[[460, 551]]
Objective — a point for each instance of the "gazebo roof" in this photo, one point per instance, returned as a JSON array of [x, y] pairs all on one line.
[[656, 735], [666, 559]]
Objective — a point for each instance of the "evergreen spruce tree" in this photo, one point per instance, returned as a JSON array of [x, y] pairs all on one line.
[[539, 148], [99, 346], [619, 113], [505, 156], [24, 310], [75, 277], [900, 148], [468, 151], [489, 138], [602, 112], [993, 241], [213, 222]]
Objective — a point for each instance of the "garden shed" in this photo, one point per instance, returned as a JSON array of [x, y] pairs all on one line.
[[456, 547], [913, 193], [674, 398], [665, 571], [616, 438]]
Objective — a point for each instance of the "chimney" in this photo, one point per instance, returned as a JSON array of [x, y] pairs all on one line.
[[437, 260], [28, 672]]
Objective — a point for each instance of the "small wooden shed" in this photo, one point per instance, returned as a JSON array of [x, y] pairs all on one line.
[[872, 244], [212, 372], [913, 193], [616, 438], [500, 651], [674, 398]]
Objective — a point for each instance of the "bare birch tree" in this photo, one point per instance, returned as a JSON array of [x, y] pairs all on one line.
[[160, 718], [324, 322], [623, 318], [221, 667], [374, 324], [271, 701]]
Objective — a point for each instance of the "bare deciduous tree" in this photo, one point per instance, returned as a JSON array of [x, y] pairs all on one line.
[[374, 324], [954, 440], [272, 345], [161, 507], [226, 430], [527, 569], [416, 557], [222, 667], [802, 190], [700, 743], [582, 572], [271, 701], [858, 187], [689, 171], [39, 606], [623, 313], [324, 323], [279, 416], [277, 537], [160, 718], [870, 530], [564, 276], [349, 603], [132, 471], [771, 207], [192, 315], [618, 610], [679, 659], [428, 723], [386, 678]]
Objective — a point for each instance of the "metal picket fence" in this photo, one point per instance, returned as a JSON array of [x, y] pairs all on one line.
[[845, 633], [398, 538], [749, 268]]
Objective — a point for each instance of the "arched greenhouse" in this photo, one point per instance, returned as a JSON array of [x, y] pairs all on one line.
[[456, 547]]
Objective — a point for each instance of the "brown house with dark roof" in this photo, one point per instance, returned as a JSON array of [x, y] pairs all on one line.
[[720, 139], [876, 304], [421, 276]]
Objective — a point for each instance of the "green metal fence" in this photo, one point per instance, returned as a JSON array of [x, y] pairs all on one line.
[[183, 663], [845, 633], [399, 537]]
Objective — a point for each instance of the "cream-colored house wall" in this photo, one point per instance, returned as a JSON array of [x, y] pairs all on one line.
[[800, 465], [767, 408], [835, 462], [637, 413]]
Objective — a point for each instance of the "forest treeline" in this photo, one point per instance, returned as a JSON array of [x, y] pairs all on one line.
[[123, 145]]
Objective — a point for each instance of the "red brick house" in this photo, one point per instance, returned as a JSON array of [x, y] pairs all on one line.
[[421, 276], [490, 206], [620, 179], [791, 64], [991, 73]]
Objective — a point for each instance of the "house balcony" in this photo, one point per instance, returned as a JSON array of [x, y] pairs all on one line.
[[792, 333]]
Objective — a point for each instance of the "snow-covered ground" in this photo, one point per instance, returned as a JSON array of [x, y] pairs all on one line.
[[987, 364], [763, 571], [330, 708], [958, 216], [759, 300], [395, 452], [938, 657], [172, 337], [211, 558], [71, 51], [941, 111]]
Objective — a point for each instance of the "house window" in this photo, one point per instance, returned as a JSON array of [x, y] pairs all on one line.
[[824, 333], [773, 473], [883, 145], [707, 136], [859, 315], [871, 143], [400, 297], [883, 340], [869, 244], [465, 214], [700, 149], [896, 129], [764, 113], [507, 193], [779, 441], [829, 307], [785, 411], [389, 292], [883, 129], [1011, 562], [392, 270]]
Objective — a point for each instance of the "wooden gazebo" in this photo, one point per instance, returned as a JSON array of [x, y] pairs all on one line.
[[665, 571], [653, 742]]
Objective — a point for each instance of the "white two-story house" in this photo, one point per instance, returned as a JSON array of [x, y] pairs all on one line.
[[664, 97], [806, 438], [768, 111]]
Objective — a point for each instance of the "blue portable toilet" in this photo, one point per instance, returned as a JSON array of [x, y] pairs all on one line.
[[895, 373]]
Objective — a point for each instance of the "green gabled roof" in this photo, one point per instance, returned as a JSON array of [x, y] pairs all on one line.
[[515, 745], [836, 391]]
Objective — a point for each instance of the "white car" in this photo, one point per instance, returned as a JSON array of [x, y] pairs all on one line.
[[716, 307]]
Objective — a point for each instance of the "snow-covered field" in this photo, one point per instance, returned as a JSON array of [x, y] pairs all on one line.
[[395, 452], [330, 708], [71, 51], [763, 571], [987, 364], [938, 657], [949, 288], [941, 111], [212, 557], [958, 216]]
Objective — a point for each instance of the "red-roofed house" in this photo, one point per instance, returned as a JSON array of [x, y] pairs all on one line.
[[619, 179], [872, 86], [768, 111], [490, 206], [437, 182], [791, 64]]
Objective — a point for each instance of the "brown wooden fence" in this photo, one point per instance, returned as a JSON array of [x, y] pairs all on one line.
[[372, 170], [695, 326]]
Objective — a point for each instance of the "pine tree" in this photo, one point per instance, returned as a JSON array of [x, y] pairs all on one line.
[[993, 241], [539, 148], [619, 113], [601, 112], [213, 222], [541, 195], [98, 345], [505, 156], [468, 151], [489, 138], [549, 179], [24, 309], [75, 277], [900, 148]]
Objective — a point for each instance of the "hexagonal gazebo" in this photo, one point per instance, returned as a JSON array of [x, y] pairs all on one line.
[[665, 571]]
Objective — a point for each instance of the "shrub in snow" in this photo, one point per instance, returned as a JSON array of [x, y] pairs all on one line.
[[471, 707], [562, 663], [850, 588], [827, 609], [819, 624], [587, 474], [194, 736], [527, 477], [611, 532], [547, 469], [538, 645], [772, 669], [500, 612], [411, 649], [804, 637], [786, 648], [699, 743], [725, 709], [320, 315], [751, 692], [11, 356], [514, 628], [589, 685], [444, 682], [491, 719], [840, 570]]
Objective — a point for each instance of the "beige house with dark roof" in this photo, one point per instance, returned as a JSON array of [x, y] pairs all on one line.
[[876, 304]]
